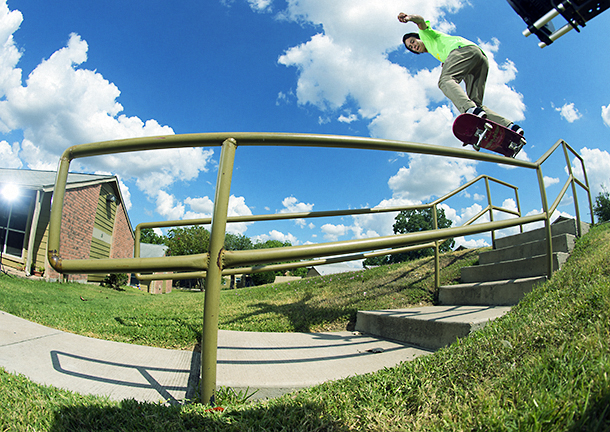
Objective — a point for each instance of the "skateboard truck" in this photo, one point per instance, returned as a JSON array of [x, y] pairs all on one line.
[[481, 134], [484, 133], [516, 147]]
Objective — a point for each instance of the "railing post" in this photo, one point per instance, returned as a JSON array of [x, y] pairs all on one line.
[[573, 184], [209, 338], [57, 205], [437, 270], [547, 222], [518, 208], [491, 211], [588, 190]]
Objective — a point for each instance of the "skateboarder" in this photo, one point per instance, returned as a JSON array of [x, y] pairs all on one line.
[[462, 60]]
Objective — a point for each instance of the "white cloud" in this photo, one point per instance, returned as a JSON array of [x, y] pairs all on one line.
[[10, 77], [9, 155], [499, 96], [380, 224], [597, 164], [471, 243], [199, 208], [465, 214], [168, 207], [276, 235], [606, 114], [348, 119], [260, 5], [292, 205], [238, 207], [347, 63], [569, 112], [333, 232], [549, 181], [63, 104], [428, 176]]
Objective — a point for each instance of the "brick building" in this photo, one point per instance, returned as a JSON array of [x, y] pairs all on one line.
[[95, 223]]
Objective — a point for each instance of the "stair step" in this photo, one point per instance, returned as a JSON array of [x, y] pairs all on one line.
[[487, 292], [429, 327], [561, 243], [515, 269], [495, 293], [560, 226]]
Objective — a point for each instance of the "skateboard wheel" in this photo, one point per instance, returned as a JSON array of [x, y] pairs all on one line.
[[476, 147]]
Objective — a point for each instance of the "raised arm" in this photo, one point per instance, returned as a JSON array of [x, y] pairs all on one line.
[[417, 19]]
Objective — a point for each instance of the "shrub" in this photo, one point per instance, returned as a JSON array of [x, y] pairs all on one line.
[[115, 281], [601, 208], [263, 278]]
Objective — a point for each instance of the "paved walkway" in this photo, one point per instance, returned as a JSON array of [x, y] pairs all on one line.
[[272, 363]]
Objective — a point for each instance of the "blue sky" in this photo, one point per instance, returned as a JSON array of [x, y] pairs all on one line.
[[74, 72]]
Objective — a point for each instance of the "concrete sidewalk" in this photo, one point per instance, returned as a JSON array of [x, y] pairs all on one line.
[[272, 363]]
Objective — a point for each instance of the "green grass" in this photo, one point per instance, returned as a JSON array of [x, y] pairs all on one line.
[[545, 366], [175, 320]]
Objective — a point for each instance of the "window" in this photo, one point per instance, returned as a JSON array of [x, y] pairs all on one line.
[[14, 215]]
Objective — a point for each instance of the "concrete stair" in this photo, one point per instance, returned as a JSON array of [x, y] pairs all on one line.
[[488, 290]]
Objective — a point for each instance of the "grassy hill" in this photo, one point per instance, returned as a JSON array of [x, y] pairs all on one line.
[[543, 366], [175, 320]]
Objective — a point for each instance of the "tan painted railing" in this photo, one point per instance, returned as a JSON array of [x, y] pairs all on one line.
[[218, 261]]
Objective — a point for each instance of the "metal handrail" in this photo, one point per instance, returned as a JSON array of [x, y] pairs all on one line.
[[317, 214], [218, 261], [303, 215]]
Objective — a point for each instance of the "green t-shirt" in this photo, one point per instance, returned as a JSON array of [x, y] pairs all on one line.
[[440, 44]]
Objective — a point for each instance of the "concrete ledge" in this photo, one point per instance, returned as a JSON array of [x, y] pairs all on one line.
[[429, 327], [561, 243], [560, 226], [497, 293], [522, 268]]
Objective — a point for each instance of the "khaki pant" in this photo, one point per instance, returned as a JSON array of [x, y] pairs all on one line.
[[470, 65]]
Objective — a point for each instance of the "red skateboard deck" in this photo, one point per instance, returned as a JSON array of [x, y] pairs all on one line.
[[483, 133]]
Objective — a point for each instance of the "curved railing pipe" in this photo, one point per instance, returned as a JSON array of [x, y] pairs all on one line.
[[218, 261]]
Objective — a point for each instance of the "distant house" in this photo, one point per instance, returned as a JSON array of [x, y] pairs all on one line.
[[330, 269], [95, 223], [154, 286]]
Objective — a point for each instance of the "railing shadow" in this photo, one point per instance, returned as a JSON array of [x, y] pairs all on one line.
[[130, 415], [120, 369]]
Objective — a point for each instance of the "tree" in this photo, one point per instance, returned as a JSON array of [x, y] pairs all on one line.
[[601, 208], [148, 235], [262, 278], [236, 242], [409, 221], [187, 241], [196, 240]]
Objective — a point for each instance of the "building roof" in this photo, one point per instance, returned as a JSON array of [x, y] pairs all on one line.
[[35, 179], [330, 269], [148, 250], [45, 181]]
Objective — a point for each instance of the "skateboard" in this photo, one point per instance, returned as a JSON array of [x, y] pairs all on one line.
[[483, 133]]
